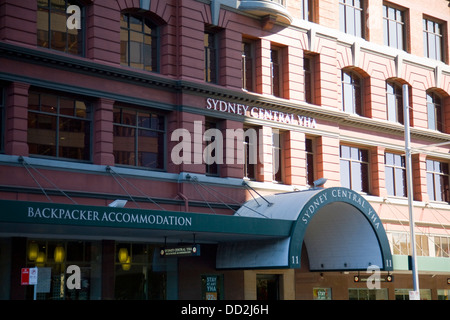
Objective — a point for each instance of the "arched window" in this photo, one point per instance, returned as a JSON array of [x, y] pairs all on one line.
[[434, 111], [52, 26], [351, 92], [138, 42]]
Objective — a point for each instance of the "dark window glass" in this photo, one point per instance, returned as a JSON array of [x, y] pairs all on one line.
[[309, 162], [308, 64], [59, 126], [139, 138], [250, 153], [138, 43], [437, 180], [354, 168], [247, 66], [2, 118], [211, 57], [52, 31], [275, 67]]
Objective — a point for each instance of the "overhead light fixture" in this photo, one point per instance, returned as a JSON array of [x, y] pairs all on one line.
[[118, 203], [123, 255], [59, 254], [33, 250]]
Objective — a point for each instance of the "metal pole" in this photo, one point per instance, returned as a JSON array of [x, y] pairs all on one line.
[[410, 188]]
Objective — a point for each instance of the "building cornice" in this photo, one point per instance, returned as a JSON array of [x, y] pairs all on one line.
[[81, 65]]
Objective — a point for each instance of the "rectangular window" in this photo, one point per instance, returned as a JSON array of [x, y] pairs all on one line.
[[395, 171], [432, 39], [401, 244], [211, 57], [351, 92], [437, 180], [211, 165], [139, 43], [275, 68], [52, 31], [351, 17], [442, 246], [277, 155], [309, 149], [250, 152], [308, 71], [2, 117], [434, 111], [247, 66], [367, 294], [306, 7], [403, 294], [59, 126], [354, 168], [139, 138], [393, 27]]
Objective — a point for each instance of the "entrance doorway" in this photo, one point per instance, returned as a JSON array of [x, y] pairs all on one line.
[[267, 287]]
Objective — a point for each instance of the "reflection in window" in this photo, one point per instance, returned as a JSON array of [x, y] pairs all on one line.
[[140, 273], [394, 99], [2, 117], [247, 66], [52, 31], [355, 168], [138, 43], [437, 180], [367, 294], [59, 126], [393, 27], [432, 40], [351, 93], [395, 170], [403, 294], [54, 256], [211, 57], [442, 246], [309, 162], [139, 138], [351, 17], [434, 111]]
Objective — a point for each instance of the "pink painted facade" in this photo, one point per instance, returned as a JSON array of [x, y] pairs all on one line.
[[179, 92]]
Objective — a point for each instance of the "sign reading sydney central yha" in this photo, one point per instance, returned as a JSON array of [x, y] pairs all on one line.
[[260, 113]]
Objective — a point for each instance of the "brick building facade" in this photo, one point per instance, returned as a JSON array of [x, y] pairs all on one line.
[[92, 99]]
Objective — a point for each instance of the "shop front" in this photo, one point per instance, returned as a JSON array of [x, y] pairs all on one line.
[[93, 252]]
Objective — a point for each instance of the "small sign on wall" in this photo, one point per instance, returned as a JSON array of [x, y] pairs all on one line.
[[29, 276]]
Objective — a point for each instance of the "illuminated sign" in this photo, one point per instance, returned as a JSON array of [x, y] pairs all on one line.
[[191, 250]]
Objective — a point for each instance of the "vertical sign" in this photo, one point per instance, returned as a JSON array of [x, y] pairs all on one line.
[[212, 287]]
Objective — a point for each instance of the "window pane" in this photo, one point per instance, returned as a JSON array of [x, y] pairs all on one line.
[[73, 134], [430, 186], [389, 172], [345, 173], [124, 145], [42, 134]]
